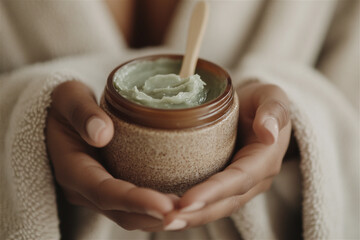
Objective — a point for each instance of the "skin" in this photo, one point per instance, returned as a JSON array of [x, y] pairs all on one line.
[[85, 182]]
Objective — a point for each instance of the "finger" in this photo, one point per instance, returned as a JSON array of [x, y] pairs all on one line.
[[174, 198], [92, 181], [272, 113], [76, 103], [76, 170], [224, 208], [239, 177], [129, 221], [134, 221], [77, 199]]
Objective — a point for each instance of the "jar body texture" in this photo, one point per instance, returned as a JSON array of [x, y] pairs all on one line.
[[169, 160]]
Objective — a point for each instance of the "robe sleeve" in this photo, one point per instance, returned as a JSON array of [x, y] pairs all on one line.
[[28, 198], [321, 188], [324, 125]]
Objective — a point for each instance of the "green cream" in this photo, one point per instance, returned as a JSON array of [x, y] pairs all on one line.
[[156, 84]]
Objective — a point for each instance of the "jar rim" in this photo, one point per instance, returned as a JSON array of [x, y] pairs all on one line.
[[198, 116]]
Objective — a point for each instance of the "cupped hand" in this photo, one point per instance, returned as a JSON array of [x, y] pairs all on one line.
[[76, 127], [264, 134]]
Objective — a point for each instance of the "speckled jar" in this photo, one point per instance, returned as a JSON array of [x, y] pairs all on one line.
[[170, 150]]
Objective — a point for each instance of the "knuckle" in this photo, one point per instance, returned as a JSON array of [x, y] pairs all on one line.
[[202, 219], [224, 186], [218, 184], [247, 180], [77, 114], [235, 204], [98, 196]]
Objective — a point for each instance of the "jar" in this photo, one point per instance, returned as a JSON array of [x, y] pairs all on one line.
[[170, 150]]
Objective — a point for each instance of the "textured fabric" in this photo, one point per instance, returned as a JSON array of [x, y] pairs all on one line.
[[320, 143], [309, 48], [27, 205], [33, 31]]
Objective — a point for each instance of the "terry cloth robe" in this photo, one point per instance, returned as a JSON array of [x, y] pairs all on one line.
[[308, 48]]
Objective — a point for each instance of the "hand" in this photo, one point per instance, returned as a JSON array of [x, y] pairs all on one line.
[[264, 133], [76, 127]]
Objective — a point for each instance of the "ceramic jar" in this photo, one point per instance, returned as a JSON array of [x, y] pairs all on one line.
[[171, 150]]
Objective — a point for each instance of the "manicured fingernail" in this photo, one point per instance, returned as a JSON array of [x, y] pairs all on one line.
[[155, 214], [272, 126], [94, 127], [176, 224], [193, 207]]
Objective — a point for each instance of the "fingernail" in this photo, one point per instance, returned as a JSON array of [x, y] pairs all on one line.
[[94, 127], [272, 126], [176, 224], [193, 207], [155, 214]]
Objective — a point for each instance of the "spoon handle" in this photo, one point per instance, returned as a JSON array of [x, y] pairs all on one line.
[[195, 34]]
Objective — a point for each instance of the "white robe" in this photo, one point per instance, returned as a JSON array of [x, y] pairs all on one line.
[[309, 48]]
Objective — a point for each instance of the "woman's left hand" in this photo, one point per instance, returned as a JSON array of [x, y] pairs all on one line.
[[264, 134]]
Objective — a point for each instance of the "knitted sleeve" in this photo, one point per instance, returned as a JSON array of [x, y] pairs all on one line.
[[28, 200], [322, 187]]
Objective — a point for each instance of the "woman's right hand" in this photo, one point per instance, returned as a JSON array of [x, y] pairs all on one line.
[[76, 127]]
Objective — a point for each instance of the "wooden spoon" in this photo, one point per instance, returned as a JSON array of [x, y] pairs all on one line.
[[195, 34]]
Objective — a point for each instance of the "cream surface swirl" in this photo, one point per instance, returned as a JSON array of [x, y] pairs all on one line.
[[155, 84]]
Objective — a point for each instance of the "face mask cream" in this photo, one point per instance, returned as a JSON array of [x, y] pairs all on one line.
[[155, 84]]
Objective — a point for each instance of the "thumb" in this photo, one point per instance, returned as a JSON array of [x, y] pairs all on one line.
[[272, 114], [75, 102]]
